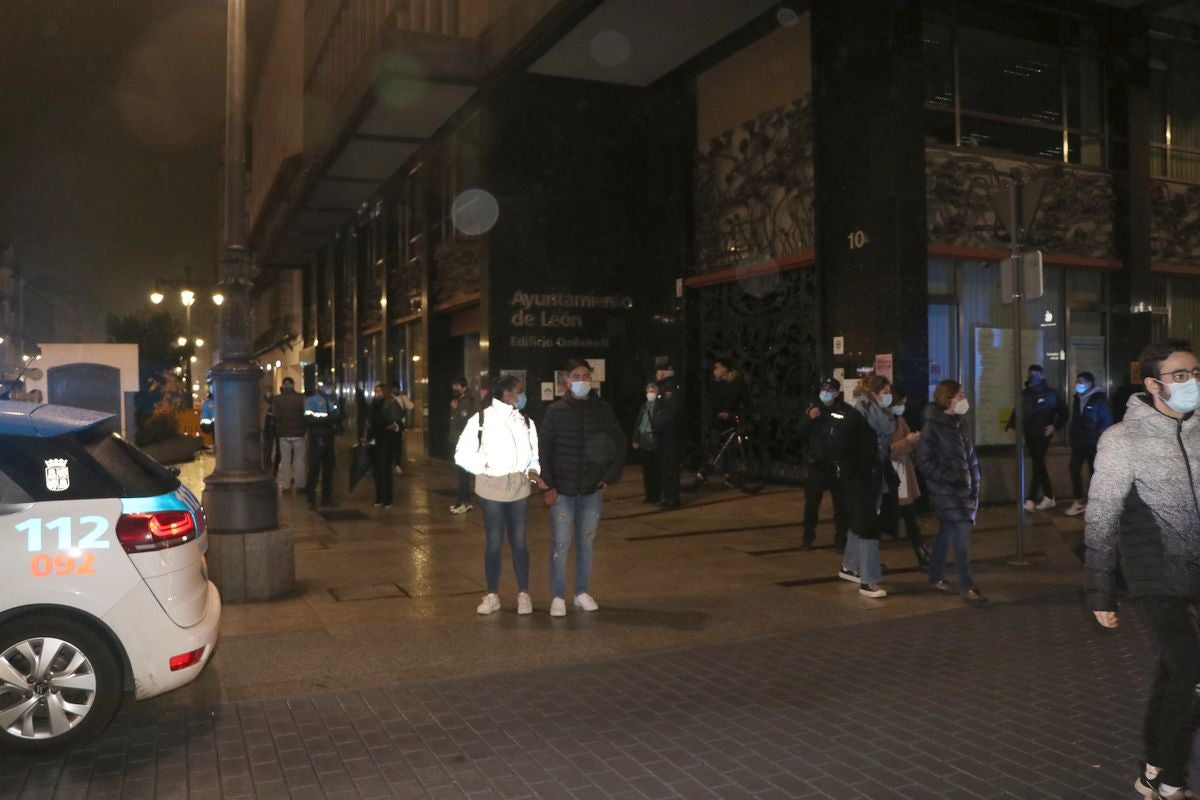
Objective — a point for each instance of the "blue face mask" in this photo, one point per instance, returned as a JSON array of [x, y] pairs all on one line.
[[581, 388], [1185, 397], [1081, 388], [898, 410], [885, 401], [521, 401], [826, 396]]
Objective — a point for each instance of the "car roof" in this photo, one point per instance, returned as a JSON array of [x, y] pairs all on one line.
[[46, 420]]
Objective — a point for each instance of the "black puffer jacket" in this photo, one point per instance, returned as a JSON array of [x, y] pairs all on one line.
[[1041, 406], [1143, 509], [581, 444], [839, 438], [946, 457], [1090, 417]]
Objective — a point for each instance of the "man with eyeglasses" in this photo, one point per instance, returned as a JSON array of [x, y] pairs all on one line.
[[1143, 516], [582, 450]]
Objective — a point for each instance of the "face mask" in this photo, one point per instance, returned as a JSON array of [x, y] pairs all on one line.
[[961, 407], [885, 401], [826, 396], [1185, 397], [651, 397], [581, 388], [521, 401], [1035, 378], [1081, 388], [898, 410]]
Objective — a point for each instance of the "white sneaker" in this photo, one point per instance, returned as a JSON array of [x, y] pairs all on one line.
[[1029, 506], [872, 590], [558, 607], [1076, 509], [524, 604], [491, 603], [849, 575], [1047, 503], [585, 602], [461, 508]]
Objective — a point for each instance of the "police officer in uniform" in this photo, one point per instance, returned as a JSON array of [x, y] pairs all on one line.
[[833, 433]]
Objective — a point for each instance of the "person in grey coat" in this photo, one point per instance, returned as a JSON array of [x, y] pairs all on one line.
[[946, 457], [1143, 516]]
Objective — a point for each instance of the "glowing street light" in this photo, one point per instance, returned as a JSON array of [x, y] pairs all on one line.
[[187, 297], [157, 297], [218, 298], [193, 359], [181, 341], [199, 342]]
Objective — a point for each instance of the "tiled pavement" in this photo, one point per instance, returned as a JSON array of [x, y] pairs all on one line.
[[1025, 699]]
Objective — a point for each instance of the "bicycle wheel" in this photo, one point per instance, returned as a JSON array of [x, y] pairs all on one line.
[[749, 466], [693, 468]]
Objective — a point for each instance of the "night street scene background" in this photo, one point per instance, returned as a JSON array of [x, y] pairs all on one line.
[[864, 286]]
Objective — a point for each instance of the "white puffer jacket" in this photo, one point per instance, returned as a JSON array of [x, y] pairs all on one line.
[[509, 443]]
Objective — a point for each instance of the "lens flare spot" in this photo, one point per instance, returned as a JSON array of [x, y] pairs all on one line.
[[474, 212]]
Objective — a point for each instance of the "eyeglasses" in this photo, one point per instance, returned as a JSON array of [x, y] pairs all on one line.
[[1181, 375]]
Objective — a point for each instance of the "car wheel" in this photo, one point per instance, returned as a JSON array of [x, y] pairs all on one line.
[[60, 683]]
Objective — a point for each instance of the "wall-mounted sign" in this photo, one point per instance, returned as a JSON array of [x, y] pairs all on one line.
[[839, 345], [561, 319], [883, 365], [548, 390]]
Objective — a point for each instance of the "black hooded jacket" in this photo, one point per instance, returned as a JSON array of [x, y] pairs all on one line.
[[839, 438], [946, 457]]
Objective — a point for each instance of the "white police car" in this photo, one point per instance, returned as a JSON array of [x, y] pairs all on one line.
[[103, 586]]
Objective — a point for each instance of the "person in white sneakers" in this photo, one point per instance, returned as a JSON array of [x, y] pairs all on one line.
[[583, 451], [499, 446]]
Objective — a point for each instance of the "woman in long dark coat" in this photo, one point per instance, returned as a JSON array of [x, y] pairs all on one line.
[[946, 457]]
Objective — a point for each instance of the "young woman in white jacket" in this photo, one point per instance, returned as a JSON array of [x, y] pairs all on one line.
[[499, 446]]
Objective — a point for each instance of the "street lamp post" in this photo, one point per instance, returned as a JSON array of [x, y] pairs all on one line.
[[240, 497]]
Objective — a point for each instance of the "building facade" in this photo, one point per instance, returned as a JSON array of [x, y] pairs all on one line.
[[466, 188]]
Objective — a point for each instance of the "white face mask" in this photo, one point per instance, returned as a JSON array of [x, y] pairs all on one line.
[[961, 407], [898, 410], [1185, 397], [827, 396], [581, 388], [651, 397], [885, 400]]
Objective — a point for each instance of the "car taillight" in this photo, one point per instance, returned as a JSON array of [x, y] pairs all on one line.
[[185, 660], [140, 533]]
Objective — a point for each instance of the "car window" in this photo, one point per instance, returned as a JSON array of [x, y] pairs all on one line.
[[46, 470], [135, 473], [12, 496]]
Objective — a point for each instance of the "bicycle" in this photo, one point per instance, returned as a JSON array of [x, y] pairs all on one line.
[[738, 459]]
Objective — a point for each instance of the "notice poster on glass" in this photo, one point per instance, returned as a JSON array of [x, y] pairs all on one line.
[[883, 365], [993, 393], [597, 365], [1087, 355]]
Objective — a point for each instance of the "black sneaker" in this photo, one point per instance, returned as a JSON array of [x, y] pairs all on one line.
[[849, 575]]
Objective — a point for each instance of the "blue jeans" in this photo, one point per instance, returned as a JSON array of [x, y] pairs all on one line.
[[862, 556], [573, 518], [500, 518], [958, 535]]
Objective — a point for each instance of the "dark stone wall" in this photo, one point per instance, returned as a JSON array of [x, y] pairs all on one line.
[[593, 184], [868, 89], [1175, 224]]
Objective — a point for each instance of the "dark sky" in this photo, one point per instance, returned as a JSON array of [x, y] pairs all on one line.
[[112, 114]]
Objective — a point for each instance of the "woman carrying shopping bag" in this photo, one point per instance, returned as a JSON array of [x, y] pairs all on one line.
[[499, 446]]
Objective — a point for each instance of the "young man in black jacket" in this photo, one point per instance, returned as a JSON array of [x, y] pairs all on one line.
[[582, 451], [837, 446], [1090, 417], [1044, 414], [1143, 516]]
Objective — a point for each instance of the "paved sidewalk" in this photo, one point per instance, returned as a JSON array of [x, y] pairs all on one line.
[[1021, 700], [724, 662]]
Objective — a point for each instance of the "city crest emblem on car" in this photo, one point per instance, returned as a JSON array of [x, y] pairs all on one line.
[[58, 475]]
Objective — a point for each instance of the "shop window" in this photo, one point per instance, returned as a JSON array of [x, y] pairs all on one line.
[[1009, 77], [1185, 309], [1175, 124]]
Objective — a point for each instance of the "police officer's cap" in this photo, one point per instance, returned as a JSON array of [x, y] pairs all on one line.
[[831, 383]]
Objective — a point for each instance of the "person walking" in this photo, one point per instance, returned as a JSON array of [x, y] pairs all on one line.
[[946, 457], [288, 407], [462, 408], [860, 562], [499, 445], [670, 421], [582, 451], [1143, 520], [1044, 413], [645, 441], [833, 437], [320, 416], [384, 419], [727, 397], [903, 488], [1090, 417]]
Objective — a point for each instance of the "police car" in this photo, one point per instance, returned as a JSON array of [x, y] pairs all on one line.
[[103, 585]]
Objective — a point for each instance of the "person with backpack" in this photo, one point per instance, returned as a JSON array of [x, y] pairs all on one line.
[[1090, 416], [499, 446]]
